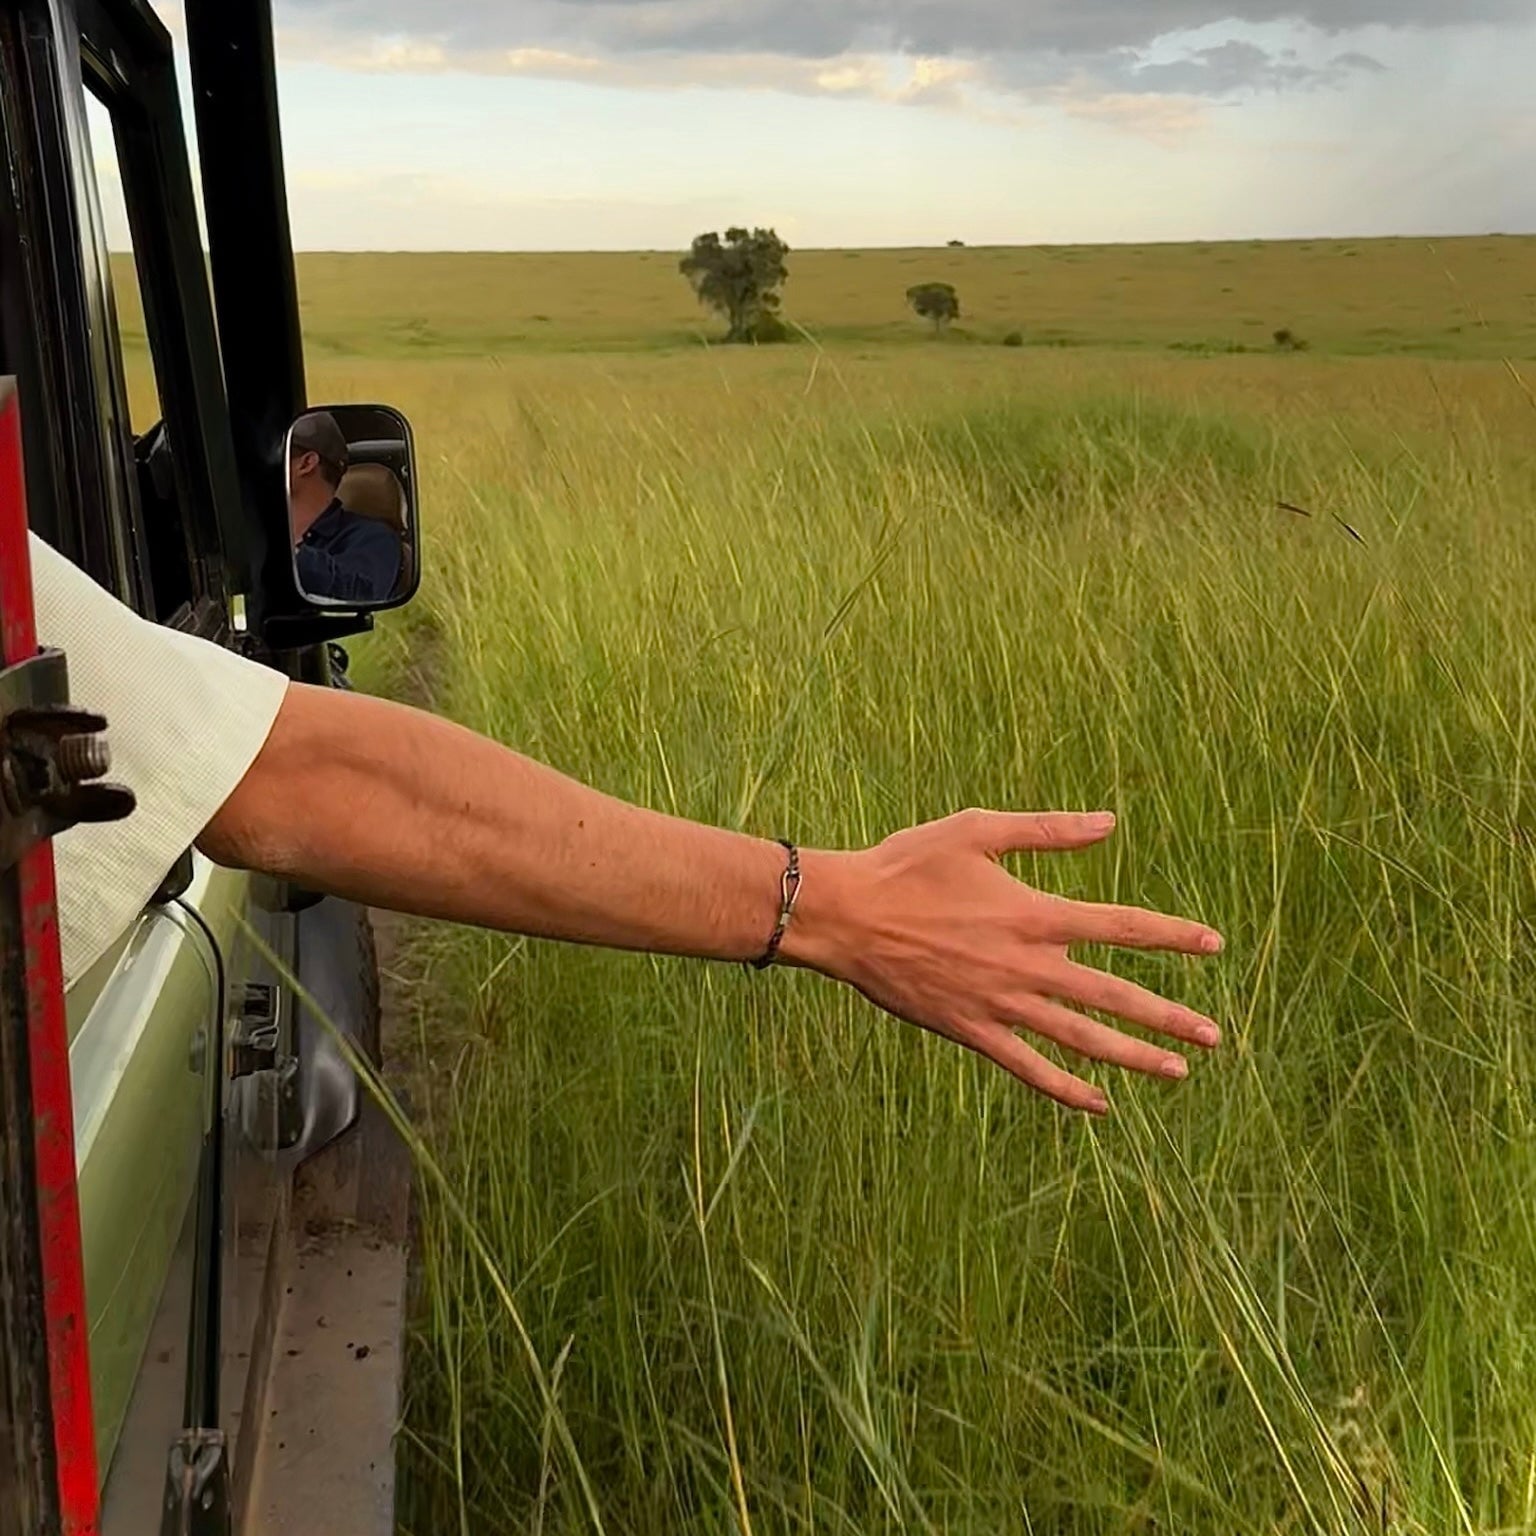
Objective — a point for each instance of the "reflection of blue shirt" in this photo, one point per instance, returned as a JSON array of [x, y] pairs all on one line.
[[350, 557]]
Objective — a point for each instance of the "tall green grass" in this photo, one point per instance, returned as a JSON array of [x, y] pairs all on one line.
[[790, 1267]]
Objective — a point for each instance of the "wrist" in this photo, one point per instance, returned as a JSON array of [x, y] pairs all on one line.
[[823, 935]]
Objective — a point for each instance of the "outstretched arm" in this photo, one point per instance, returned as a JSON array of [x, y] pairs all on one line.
[[396, 808]]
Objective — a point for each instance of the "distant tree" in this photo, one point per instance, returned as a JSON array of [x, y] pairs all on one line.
[[1288, 341], [957, 245], [937, 302], [1014, 339], [740, 277]]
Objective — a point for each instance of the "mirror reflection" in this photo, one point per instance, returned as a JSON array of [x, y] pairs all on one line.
[[351, 506]]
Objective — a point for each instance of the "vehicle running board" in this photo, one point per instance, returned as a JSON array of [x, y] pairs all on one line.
[[324, 1427]]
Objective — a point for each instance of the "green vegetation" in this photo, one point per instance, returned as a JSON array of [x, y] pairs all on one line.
[[740, 277], [1426, 298], [791, 1268], [938, 303], [788, 1268]]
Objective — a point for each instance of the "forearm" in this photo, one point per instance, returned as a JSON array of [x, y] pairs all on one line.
[[396, 808]]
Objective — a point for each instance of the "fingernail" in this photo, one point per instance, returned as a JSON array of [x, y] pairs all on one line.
[[1212, 944], [1175, 1067], [1208, 1034], [1102, 821], [1099, 1106]]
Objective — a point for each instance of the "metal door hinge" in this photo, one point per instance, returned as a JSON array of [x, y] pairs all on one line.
[[257, 1036], [197, 1486], [53, 757], [256, 1051]]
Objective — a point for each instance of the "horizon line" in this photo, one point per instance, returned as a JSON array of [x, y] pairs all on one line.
[[1020, 245]]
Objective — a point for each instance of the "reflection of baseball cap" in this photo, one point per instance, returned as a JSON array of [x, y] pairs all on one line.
[[317, 432]]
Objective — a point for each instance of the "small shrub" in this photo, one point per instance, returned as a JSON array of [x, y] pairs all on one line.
[[1286, 340], [1209, 348], [1014, 339]]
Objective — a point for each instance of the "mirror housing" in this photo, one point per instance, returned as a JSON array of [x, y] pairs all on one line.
[[353, 509]]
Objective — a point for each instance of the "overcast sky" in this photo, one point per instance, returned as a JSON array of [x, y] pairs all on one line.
[[553, 124]]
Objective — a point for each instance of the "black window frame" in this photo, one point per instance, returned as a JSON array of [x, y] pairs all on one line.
[[127, 57], [58, 329], [45, 314]]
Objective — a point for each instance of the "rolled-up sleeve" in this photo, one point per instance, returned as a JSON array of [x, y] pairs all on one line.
[[185, 721]]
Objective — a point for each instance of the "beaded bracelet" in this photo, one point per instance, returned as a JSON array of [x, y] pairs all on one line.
[[789, 894]]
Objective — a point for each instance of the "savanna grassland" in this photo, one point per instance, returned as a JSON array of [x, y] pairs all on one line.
[[1454, 298], [725, 1253]]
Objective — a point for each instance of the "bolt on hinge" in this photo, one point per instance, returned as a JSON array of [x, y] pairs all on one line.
[[53, 756]]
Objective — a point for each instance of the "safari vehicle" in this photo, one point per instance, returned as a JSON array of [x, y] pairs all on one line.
[[200, 1293]]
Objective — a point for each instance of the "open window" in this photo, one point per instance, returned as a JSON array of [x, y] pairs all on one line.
[[149, 521], [156, 354]]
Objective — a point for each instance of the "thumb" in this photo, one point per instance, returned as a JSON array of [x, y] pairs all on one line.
[[1000, 832]]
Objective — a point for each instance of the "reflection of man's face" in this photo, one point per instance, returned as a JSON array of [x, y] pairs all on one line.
[[311, 487], [302, 467]]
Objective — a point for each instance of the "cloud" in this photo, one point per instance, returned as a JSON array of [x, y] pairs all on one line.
[[996, 59], [1162, 99], [826, 28], [914, 82], [1236, 66], [1360, 61], [1225, 69]]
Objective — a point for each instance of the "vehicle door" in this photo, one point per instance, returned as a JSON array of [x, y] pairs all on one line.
[[107, 321]]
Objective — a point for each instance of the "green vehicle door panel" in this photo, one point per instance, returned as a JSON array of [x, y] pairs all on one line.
[[145, 1063]]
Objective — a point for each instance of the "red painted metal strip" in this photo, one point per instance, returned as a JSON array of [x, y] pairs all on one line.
[[52, 1102], [58, 1200], [18, 632]]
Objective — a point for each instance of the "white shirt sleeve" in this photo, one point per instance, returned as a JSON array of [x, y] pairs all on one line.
[[185, 721]]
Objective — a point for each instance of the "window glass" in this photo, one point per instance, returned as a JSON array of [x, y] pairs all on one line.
[[128, 308], [158, 528]]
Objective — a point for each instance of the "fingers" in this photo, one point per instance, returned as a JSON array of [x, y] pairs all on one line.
[[1000, 832], [1000, 1045], [1104, 993], [1096, 1041], [1085, 922]]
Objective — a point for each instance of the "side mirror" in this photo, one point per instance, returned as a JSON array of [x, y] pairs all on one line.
[[353, 508]]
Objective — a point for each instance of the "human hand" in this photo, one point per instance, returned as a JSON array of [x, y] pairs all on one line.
[[931, 928]]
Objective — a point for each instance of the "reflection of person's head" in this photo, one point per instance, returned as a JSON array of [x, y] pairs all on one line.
[[317, 459]]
